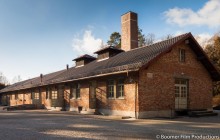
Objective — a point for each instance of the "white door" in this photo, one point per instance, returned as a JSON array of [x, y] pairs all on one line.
[[181, 89]]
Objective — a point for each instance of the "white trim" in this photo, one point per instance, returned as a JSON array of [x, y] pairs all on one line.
[[79, 66], [102, 59]]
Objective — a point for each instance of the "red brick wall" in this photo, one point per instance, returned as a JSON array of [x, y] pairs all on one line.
[[126, 104], [84, 96], [157, 93], [102, 102]]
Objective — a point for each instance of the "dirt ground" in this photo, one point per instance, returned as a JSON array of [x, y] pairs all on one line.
[[47, 125]]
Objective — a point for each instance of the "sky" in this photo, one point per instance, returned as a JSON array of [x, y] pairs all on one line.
[[43, 36]]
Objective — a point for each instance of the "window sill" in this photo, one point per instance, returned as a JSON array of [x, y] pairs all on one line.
[[121, 98], [111, 98]]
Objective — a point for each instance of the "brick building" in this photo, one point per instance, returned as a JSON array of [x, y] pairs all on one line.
[[151, 81]]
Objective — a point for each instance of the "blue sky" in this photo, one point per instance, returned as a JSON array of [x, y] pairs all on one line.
[[42, 36]]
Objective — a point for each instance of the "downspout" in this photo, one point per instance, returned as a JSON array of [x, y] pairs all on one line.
[[136, 97]]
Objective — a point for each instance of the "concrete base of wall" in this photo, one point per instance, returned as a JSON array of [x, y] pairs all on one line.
[[83, 111], [72, 109], [56, 108], [153, 114], [117, 112]]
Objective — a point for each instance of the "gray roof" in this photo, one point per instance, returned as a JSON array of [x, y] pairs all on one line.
[[125, 61]]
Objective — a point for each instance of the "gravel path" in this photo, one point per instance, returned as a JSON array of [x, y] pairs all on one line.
[[46, 125]]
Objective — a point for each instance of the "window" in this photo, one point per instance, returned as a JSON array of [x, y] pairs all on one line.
[[47, 93], [120, 88], [32, 95], [54, 94], [73, 92], [110, 89], [78, 91], [182, 55], [36, 95], [16, 96]]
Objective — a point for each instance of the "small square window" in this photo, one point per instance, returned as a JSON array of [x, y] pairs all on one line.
[[36, 95], [54, 94], [110, 88]]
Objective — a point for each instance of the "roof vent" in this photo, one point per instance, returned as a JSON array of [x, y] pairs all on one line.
[[41, 78], [83, 60], [187, 41], [67, 67]]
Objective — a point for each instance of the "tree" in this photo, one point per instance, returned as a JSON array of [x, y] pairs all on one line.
[[16, 79], [150, 38], [115, 40], [169, 36], [3, 79], [141, 38], [213, 52], [2, 86]]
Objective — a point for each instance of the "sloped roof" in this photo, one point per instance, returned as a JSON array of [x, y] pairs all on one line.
[[111, 48], [85, 56], [125, 61]]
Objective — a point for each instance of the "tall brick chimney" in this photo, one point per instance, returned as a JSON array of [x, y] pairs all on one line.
[[129, 31]]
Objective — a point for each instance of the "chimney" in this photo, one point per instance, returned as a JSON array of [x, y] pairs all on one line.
[[129, 31]]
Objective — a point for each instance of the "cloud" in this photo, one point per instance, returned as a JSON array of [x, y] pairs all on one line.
[[208, 15], [203, 39], [86, 43]]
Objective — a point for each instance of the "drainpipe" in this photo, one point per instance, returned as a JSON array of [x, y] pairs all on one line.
[[136, 116]]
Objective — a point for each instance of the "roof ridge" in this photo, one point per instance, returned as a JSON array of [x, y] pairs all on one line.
[[160, 41]]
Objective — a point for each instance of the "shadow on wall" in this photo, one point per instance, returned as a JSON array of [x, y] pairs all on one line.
[[101, 96]]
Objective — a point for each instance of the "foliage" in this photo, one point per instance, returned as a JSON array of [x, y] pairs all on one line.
[[150, 38], [213, 52], [16, 79], [115, 40], [3, 79], [141, 38]]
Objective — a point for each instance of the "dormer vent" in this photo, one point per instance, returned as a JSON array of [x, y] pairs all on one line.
[[107, 52], [83, 60]]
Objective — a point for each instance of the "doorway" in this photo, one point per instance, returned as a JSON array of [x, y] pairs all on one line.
[[181, 93]]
